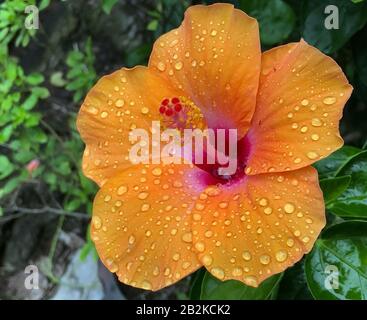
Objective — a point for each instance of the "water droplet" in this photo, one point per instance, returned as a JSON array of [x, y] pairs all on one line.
[[312, 155], [304, 129], [176, 257], [316, 122], [199, 206], [236, 272], [200, 246], [157, 171], [281, 255], [289, 208], [265, 259], [131, 239], [104, 114], [145, 207], [92, 110], [187, 237], [304, 102], [146, 285], [223, 205], [213, 33], [178, 65], [263, 202], [107, 198], [112, 266], [268, 210], [250, 281], [97, 222], [207, 260], [121, 190], [208, 233], [329, 100], [217, 272], [143, 195], [315, 137], [144, 110], [290, 242], [119, 103], [246, 255], [156, 271]]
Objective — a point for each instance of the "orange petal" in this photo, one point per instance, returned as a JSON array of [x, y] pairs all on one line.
[[141, 224], [119, 102], [214, 56], [301, 97], [260, 226]]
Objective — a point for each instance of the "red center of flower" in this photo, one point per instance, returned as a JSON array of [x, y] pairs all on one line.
[[181, 113], [170, 107]]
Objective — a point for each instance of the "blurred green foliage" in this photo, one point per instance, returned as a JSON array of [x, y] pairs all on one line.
[[44, 75]]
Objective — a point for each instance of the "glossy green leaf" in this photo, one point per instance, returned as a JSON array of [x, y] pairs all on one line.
[[276, 19], [334, 187], [331, 166], [213, 288], [293, 285], [353, 201], [318, 32], [196, 283], [337, 266]]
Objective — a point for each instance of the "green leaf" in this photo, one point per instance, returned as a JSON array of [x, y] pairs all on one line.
[[152, 25], [41, 92], [30, 102], [3, 33], [341, 254], [276, 19], [352, 17], [6, 133], [44, 4], [197, 281], [72, 205], [35, 79], [331, 166], [334, 187], [107, 5], [213, 288], [6, 167], [57, 79], [1, 212], [293, 285], [353, 201], [10, 186]]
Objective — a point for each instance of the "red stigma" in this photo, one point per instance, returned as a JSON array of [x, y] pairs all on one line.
[[178, 107], [165, 102], [169, 112], [162, 109], [175, 100]]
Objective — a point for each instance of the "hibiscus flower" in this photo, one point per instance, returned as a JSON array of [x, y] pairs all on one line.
[[154, 224]]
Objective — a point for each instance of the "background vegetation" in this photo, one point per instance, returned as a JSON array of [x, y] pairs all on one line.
[[45, 201]]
